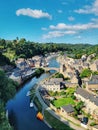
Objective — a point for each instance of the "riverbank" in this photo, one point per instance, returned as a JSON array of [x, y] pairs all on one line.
[[25, 116], [43, 107], [49, 117], [37, 73]]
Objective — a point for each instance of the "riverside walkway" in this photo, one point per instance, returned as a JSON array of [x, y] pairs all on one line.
[[59, 117]]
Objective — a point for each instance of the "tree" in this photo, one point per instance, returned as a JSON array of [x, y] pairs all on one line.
[[78, 107], [85, 73], [7, 91], [7, 87], [39, 71], [95, 73], [22, 41], [3, 43], [4, 125]]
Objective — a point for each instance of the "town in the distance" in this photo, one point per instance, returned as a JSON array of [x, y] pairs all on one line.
[[67, 98]]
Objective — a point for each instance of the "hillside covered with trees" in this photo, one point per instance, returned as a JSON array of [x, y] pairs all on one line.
[[26, 49], [7, 91]]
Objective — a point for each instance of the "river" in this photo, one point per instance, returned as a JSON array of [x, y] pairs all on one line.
[[22, 116]]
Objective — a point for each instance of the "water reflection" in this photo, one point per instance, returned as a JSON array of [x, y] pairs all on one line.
[[21, 116]]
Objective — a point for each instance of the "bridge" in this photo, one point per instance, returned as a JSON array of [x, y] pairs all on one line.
[[49, 68]]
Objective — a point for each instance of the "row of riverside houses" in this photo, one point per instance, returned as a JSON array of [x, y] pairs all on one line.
[[91, 101], [54, 84]]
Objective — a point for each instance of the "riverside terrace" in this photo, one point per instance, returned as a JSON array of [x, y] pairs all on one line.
[[91, 102]]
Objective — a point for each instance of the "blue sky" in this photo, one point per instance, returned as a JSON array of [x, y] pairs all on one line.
[[60, 21]]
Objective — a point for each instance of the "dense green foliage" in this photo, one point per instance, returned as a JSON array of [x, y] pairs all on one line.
[[7, 87], [58, 75], [38, 104], [56, 93], [95, 73], [7, 91], [78, 107], [22, 48], [70, 92], [92, 123], [85, 73], [39, 71], [55, 123], [4, 60]]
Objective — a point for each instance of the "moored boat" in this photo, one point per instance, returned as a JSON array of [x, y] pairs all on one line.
[[39, 116], [31, 104], [28, 93]]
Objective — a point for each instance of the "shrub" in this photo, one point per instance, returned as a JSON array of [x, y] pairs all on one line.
[[92, 123]]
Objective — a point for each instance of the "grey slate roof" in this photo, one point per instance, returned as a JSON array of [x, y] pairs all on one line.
[[56, 79], [53, 81], [94, 77], [96, 126], [68, 108], [87, 95], [93, 82]]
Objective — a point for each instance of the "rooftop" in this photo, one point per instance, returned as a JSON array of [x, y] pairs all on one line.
[[52, 83], [68, 108], [56, 79], [87, 95], [96, 126]]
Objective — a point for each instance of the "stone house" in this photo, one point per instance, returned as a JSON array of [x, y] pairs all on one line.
[[74, 79], [19, 60], [94, 66], [90, 101], [36, 58], [69, 84], [31, 63], [54, 84], [92, 84], [67, 110], [95, 127]]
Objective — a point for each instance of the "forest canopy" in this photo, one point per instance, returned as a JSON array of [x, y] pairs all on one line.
[[14, 49]]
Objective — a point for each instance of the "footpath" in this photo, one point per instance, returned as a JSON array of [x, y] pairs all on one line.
[[59, 117]]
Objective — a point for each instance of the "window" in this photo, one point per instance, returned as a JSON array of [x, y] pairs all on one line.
[[62, 110]]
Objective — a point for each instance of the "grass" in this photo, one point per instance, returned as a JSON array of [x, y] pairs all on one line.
[[63, 101], [32, 92], [62, 93], [70, 90], [38, 104], [55, 123]]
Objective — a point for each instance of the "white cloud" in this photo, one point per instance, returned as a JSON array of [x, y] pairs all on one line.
[[54, 34], [78, 27], [59, 26], [60, 11], [94, 20], [89, 9], [43, 28], [33, 13], [71, 18]]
